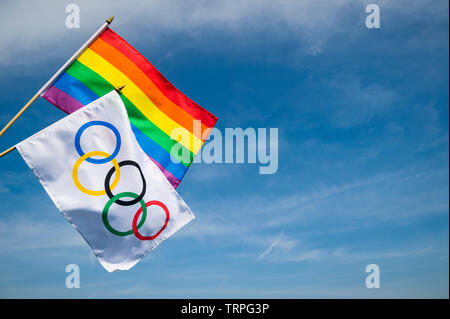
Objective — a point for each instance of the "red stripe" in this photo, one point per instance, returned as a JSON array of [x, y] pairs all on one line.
[[158, 79]]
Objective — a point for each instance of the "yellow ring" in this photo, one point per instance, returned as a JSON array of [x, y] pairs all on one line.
[[77, 181]]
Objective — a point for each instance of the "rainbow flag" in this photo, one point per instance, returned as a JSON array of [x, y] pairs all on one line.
[[154, 106]]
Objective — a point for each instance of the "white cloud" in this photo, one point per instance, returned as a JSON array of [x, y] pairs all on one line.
[[358, 104], [268, 250], [34, 31], [29, 234], [210, 225], [281, 243], [313, 254], [344, 254], [283, 250]]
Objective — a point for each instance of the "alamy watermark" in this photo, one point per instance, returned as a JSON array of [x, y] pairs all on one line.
[[73, 279], [236, 145], [73, 17], [373, 279], [373, 19]]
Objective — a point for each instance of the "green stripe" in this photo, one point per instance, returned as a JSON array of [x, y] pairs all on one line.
[[100, 86], [92, 80], [154, 132]]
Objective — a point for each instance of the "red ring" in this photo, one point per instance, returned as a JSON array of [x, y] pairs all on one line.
[[138, 213]]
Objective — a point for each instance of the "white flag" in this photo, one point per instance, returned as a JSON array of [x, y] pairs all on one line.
[[93, 169]]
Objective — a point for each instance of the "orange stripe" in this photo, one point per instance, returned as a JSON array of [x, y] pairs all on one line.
[[128, 68], [167, 88]]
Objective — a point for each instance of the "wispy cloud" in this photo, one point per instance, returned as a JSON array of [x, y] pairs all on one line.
[[345, 254], [18, 234], [286, 249], [358, 104], [312, 24], [10, 178], [269, 249], [210, 225], [286, 252]]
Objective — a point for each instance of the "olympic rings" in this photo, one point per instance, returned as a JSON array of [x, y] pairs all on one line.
[[108, 189], [114, 199], [85, 157], [138, 213], [101, 123]]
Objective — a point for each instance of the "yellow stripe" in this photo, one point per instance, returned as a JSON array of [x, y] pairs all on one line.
[[116, 78]]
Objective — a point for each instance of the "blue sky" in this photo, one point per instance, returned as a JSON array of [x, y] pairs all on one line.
[[363, 176]]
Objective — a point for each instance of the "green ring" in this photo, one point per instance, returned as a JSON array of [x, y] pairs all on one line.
[[108, 205]]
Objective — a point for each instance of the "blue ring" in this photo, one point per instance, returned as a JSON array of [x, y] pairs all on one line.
[[92, 123]]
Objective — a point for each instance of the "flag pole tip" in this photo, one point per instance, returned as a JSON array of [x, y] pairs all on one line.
[[120, 88], [110, 20]]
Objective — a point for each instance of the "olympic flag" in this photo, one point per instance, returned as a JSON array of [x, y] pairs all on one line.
[[94, 171]]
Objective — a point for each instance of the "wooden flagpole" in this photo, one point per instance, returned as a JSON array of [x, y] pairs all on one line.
[[7, 151], [54, 77]]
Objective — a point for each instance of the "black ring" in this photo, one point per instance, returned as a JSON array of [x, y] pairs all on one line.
[[108, 189]]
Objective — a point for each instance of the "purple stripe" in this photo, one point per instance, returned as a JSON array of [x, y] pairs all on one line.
[[61, 100], [172, 179]]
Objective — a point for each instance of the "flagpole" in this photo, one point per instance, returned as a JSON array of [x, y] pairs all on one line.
[[12, 148], [55, 76]]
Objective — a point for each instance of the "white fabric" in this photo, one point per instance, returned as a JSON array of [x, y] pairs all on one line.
[[51, 155]]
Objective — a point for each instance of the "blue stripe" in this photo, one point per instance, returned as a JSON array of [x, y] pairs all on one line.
[[75, 88], [159, 154]]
